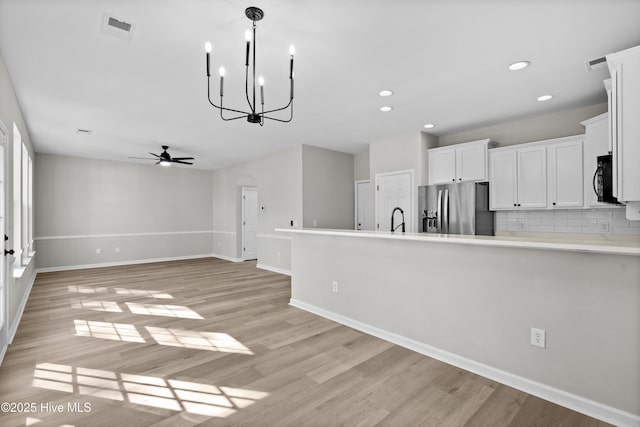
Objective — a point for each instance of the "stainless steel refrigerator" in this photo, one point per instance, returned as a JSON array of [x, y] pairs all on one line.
[[461, 208]]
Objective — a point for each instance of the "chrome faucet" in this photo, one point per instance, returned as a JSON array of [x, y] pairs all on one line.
[[392, 215]]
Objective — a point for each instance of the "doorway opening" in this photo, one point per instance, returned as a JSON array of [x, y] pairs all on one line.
[[249, 223]]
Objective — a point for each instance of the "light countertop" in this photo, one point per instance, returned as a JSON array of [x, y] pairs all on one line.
[[544, 242]]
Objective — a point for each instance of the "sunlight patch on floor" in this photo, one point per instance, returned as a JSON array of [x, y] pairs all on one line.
[[108, 306], [212, 341], [143, 293], [163, 310], [175, 395], [107, 331]]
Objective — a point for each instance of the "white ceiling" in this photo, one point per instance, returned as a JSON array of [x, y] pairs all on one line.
[[446, 62]]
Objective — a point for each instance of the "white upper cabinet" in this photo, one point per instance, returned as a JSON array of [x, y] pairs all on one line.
[[596, 143], [442, 165], [532, 177], [565, 173], [538, 175], [624, 110], [518, 178], [459, 163], [471, 162], [502, 187]]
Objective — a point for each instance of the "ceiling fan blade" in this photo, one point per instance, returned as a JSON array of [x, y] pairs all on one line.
[[181, 162], [182, 158], [154, 155], [142, 158]]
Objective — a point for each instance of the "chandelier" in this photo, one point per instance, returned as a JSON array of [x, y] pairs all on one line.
[[254, 115]]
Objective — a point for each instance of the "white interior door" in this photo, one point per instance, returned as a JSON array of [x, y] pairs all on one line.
[[249, 223], [394, 189], [363, 201], [4, 324]]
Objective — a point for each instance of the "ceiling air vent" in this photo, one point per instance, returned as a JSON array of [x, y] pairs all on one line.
[[125, 26], [84, 131], [597, 63], [117, 27]]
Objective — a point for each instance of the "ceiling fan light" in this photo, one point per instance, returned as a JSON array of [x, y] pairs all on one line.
[[165, 163]]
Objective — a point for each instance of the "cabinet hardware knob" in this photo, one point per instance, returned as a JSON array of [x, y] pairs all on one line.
[[453, 179], [554, 203], [8, 252]]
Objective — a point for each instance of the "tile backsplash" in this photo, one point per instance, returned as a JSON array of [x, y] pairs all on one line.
[[577, 221]]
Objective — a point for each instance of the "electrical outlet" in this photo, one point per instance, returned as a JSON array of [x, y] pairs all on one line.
[[539, 337], [315, 222], [98, 251], [278, 254], [117, 250], [603, 227], [334, 286]]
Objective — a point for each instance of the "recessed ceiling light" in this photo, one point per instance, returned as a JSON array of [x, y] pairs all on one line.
[[519, 65], [385, 92], [386, 109], [545, 98], [429, 126]]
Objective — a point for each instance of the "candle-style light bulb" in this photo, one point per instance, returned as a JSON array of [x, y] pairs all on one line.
[[207, 48], [292, 51], [261, 83], [247, 37], [222, 72]]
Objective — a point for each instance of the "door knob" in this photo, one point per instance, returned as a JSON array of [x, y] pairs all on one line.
[[9, 252]]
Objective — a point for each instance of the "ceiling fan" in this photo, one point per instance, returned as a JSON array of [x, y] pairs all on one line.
[[164, 159]]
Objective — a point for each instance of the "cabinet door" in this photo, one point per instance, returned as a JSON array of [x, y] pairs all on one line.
[[532, 177], [627, 87], [596, 143], [502, 179], [564, 163], [471, 163], [442, 166]]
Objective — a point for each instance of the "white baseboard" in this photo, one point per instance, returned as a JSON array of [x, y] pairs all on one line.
[[13, 327], [274, 269], [120, 263], [569, 400], [2, 353], [227, 258]]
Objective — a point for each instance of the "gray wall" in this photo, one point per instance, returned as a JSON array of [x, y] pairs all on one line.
[[146, 211], [535, 128], [278, 177], [480, 302], [298, 184], [327, 188], [361, 165], [401, 152], [17, 288]]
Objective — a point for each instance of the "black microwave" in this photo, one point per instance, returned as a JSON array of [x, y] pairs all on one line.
[[603, 180]]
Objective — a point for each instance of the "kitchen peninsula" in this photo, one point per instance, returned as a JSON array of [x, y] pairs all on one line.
[[472, 301]]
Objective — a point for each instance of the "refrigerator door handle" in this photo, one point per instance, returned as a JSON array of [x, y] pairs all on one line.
[[439, 213], [445, 209]]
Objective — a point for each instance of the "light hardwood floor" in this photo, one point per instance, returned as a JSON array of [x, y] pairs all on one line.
[[210, 342]]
